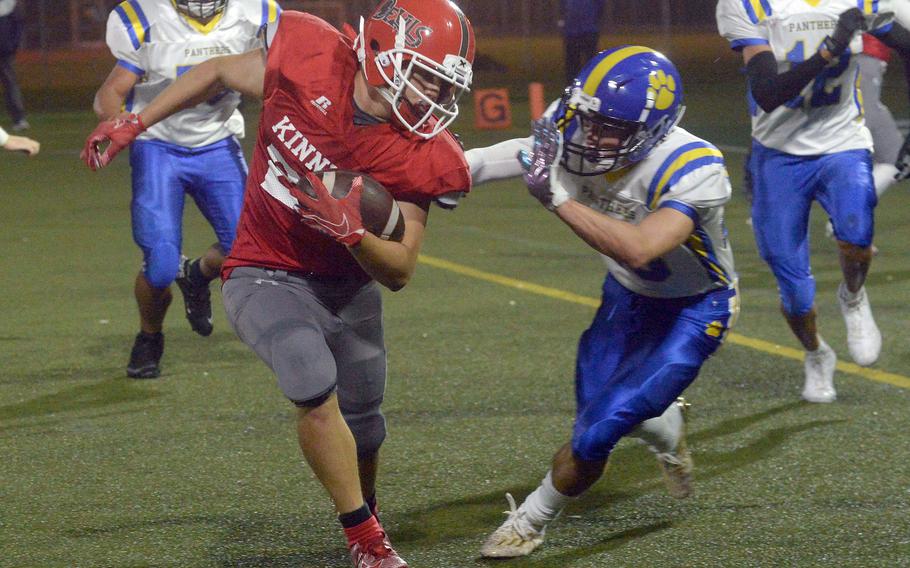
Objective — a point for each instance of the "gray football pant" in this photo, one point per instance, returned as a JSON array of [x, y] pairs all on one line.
[[317, 335], [885, 134]]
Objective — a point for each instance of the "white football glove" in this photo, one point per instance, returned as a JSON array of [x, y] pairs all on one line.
[[542, 165]]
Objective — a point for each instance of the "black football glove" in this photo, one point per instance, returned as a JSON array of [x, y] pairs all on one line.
[[848, 23], [903, 161]]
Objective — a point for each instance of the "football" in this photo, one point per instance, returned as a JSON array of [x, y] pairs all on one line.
[[378, 209]]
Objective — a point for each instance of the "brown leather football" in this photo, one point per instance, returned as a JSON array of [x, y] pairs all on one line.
[[378, 209]]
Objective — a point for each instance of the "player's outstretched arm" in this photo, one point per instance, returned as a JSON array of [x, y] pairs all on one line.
[[633, 245], [771, 89], [19, 143], [499, 161], [389, 263], [243, 73]]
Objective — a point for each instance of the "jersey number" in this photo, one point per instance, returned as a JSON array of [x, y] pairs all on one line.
[[821, 94], [274, 185]]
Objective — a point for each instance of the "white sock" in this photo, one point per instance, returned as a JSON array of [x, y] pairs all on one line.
[[847, 295], [661, 434], [545, 503], [822, 346], [883, 174]]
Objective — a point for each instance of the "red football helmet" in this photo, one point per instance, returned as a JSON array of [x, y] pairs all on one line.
[[431, 37]]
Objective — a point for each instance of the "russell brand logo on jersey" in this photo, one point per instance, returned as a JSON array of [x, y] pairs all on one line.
[[390, 13], [299, 146], [322, 104]]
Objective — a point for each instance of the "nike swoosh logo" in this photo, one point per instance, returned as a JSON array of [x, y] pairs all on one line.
[[340, 228]]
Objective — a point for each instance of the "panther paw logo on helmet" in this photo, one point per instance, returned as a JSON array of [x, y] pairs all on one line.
[[664, 87]]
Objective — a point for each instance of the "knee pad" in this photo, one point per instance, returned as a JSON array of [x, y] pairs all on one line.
[[161, 264], [367, 424], [795, 284], [596, 442]]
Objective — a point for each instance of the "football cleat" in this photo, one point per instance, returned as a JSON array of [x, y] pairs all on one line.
[[376, 553], [677, 465], [819, 365], [863, 337], [144, 357], [515, 537], [197, 300]]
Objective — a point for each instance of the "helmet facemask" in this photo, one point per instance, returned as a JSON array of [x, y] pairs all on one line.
[[202, 10]]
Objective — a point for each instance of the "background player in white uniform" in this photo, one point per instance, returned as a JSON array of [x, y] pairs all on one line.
[[649, 196], [810, 143], [194, 152]]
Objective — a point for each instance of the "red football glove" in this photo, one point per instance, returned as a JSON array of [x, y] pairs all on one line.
[[117, 134], [337, 218]]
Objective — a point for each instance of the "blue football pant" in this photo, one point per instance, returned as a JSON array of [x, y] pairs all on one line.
[[638, 356], [162, 173], [784, 187]]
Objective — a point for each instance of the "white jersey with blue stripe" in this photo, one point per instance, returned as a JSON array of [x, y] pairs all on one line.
[[685, 173], [153, 40], [827, 116]]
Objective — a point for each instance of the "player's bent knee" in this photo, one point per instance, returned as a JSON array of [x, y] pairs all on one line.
[[798, 300], [368, 427], [595, 443], [316, 401], [161, 265]]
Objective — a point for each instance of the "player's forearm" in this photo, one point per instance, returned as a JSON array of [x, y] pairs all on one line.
[[193, 87], [389, 263], [771, 89], [619, 240], [107, 104], [499, 161]]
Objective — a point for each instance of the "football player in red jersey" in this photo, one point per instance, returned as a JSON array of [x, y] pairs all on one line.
[[300, 282]]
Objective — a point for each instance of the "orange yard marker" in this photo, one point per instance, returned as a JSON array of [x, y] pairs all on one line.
[[536, 99], [492, 110]]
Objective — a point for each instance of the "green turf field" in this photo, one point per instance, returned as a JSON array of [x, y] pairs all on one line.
[[200, 468]]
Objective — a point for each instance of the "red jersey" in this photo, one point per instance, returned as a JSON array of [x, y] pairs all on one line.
[[874, 47], [307, 123]]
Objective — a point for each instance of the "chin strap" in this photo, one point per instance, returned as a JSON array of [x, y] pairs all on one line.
[[359, 44]]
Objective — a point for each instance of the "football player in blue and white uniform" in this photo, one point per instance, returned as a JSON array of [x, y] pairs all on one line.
[[194, 152], [810, 144], [610, 161]]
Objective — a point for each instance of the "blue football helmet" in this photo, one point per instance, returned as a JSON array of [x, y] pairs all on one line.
[[630, 94]]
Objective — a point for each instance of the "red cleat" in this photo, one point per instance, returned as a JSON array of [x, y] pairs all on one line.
[[376, 553]]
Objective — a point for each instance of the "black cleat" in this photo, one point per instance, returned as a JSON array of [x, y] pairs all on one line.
[[197, 299], [146, 354]]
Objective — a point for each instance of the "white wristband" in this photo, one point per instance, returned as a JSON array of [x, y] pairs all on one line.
[[4, 137]]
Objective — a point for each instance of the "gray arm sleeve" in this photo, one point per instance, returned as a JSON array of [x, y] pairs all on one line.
[[499, 161]]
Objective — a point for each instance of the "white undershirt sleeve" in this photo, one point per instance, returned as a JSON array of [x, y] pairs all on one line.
[[499, 161]]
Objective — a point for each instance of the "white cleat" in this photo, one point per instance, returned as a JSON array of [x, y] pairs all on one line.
[[515, 537], [677, 465], [819, 366], [863, 337]]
